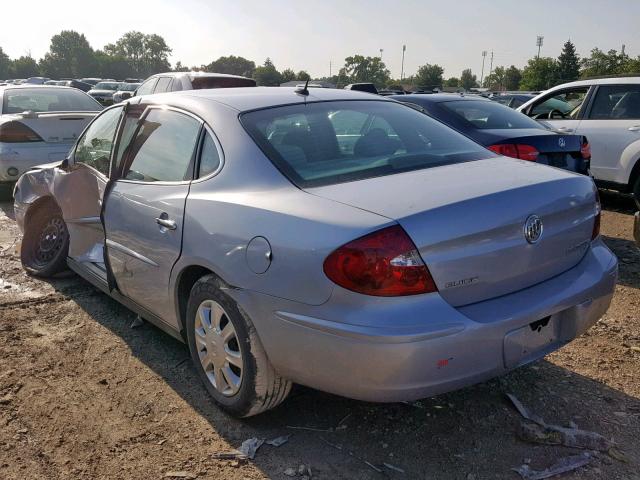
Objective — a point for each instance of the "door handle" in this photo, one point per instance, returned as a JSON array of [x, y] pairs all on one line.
[[635, 128], [166, 223], [565, 129]]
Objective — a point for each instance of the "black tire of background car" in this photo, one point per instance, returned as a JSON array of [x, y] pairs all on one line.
[[261, 388], [34, 226], [636, 192]]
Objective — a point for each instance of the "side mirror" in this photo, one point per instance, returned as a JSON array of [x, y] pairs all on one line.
[[29, 114], [125, 95]]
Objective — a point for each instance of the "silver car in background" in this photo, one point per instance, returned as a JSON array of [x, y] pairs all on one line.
[[324, 237], [39, 124]]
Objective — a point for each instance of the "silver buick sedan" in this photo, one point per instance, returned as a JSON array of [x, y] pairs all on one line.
[[329, 238]]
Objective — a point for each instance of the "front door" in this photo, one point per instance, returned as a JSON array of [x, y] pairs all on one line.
[[80, 190], [611, 125], [560, 110], [144, 212]]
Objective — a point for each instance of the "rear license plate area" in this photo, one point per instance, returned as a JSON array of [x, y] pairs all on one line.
[[530, 342]]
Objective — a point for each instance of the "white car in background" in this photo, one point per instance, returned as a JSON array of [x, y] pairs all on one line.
[[607, 112], [39, 124]]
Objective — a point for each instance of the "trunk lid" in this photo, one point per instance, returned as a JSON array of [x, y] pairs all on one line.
[[57, 127], [467, 221]]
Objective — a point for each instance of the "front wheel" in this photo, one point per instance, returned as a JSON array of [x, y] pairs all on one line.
[[228, 354], [45, 244]]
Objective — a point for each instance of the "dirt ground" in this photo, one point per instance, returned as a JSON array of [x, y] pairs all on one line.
[[85, 395]]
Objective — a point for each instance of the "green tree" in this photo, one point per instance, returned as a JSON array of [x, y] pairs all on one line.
[[288, 75], [632, 66], [359, 68], [452, 82], [512, 78], [146, 54], [5, 65], [303, 75], [568, 63], [600, 63], [267, 74], [232, 65], [70, 55], [539, 74], [112, 66], [496, 80], [180, 68], [468, 80], [24, 67], [429, 75]]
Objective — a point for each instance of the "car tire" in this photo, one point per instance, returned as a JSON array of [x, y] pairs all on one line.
[[45, 244], [219, 335], [636, 192]]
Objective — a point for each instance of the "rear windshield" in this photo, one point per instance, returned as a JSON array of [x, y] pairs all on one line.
[[324, 143], [485, 114], [129, 87], [107, 86], [200, 83], [20, 100]]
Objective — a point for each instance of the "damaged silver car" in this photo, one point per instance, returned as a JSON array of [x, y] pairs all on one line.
[[324, 237]]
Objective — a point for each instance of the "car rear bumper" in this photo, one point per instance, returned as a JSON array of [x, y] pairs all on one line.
[[23, 156], [391, 349]]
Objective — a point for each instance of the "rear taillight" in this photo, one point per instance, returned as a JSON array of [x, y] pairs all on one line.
[[385, 263], [17, 132], [596, 219], [585, 149], [516, 150]]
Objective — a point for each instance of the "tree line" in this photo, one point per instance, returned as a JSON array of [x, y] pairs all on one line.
[[138, 55]]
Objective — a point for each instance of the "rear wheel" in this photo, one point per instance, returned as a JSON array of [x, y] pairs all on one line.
[[228, 354], [45, 244], [636, 191]]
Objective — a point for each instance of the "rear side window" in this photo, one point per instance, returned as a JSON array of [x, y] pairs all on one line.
[[616, 102], [221, 82], [20, 100], [94, 148], [163, 148], [209, 157], [163, 84], [485, 115], [324, 143]]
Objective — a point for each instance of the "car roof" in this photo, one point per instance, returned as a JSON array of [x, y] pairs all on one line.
[[31, 86], [195, 74], [245, 99], [437, 98], [599, 81]]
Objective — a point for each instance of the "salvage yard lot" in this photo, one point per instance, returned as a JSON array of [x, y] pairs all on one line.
[[85, 395]]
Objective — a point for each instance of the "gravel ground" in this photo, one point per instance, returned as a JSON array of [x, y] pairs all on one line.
[[84, 395]]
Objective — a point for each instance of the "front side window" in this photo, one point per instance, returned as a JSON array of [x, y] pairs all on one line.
[[563, 105], [307, 142], [616, 102], [94, 147], [485, 114], [18, 100], [163, 148], [163, 85], [147, 87]]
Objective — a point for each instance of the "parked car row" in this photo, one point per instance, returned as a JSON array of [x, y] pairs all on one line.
[[341, 240]]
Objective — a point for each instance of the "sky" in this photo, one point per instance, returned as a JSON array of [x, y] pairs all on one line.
[[309, 35]]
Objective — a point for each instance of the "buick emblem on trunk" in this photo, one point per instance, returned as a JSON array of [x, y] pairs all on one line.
[[561, 142], [533, 229]]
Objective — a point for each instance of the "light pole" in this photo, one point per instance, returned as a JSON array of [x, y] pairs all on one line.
[[539, 42], [484, 55], [404, 48], [381, 50]]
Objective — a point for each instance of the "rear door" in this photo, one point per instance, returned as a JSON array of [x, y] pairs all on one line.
[[163, 85], [611, 125], [144, 213], [80, 191]]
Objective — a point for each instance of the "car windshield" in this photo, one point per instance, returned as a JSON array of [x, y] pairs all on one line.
[[20, 100], [485, 115], [128, 87], [107, 86], [325, 143]]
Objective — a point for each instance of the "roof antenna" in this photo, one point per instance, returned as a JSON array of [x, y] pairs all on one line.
[[304, 90]]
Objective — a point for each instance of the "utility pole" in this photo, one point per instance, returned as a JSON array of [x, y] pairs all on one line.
[[623, 47], [404, 48], [539, 42], [329, 68], [381, 50], [491, 64], [484, 55]]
